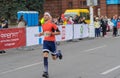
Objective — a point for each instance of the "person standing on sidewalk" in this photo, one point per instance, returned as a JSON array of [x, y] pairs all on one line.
[[49, 44], [114, 21], [4, 24], [22, 22], [118, 26], [97, 27], [103, 25]]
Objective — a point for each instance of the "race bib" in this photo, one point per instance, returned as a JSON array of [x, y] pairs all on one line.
[[47, 34]]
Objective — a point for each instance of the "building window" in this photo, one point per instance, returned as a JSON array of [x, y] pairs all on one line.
[[98, 2], [83, 3], [70, 5]]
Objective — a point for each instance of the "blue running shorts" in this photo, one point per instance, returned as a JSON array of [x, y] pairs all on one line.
[[49, 46]]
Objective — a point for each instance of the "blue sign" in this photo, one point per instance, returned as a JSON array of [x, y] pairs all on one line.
[[112, 1]]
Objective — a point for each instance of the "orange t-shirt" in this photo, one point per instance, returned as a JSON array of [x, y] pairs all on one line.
[[49, 27]]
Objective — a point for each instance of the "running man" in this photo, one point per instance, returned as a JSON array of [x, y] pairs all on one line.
[[49, 45]]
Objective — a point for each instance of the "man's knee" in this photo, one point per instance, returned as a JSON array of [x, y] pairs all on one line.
[[54, 56], [45, 54]]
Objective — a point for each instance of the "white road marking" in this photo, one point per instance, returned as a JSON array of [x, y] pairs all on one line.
[[110, 70], [19, 68], [95, 48]]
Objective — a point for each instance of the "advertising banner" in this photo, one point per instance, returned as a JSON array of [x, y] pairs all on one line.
[[80, 31], [63, 32], [69, 32], [59, 37], [12, 38], [77, 31], [112, 2], [91, 31], [31, 38], [66, 33], [85, 30]]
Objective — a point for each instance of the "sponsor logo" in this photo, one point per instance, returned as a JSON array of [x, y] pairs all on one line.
[[9, 35]]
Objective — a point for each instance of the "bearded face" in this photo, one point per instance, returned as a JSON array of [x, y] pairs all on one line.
[[46, 17]]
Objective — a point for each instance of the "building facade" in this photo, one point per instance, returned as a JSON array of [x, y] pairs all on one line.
[[104, 7]]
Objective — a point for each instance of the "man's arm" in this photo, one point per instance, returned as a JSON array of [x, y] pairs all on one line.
[[57, 32], [42, 33]]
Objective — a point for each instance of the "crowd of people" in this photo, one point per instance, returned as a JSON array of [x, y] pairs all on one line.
[[104, 24], [62, 20]]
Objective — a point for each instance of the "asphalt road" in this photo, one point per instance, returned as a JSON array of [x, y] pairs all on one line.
[[88, 58]]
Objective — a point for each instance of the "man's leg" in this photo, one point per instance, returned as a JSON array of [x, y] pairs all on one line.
[[54, 57], [95, 32], [45, 58], [57, 54]]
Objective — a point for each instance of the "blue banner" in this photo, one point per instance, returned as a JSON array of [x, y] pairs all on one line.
[[112, 1]]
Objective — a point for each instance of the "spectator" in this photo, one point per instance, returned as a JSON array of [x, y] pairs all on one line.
[[81, 20], [118, 26], [42, 21], [60, 21], [97, 27], [22, 22], [114, 20], [110, 24], [69, 20], [75, 19], [103, 22], [4, 24], [55, 21]]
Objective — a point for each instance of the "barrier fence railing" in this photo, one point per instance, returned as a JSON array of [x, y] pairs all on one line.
[[19, 37]]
